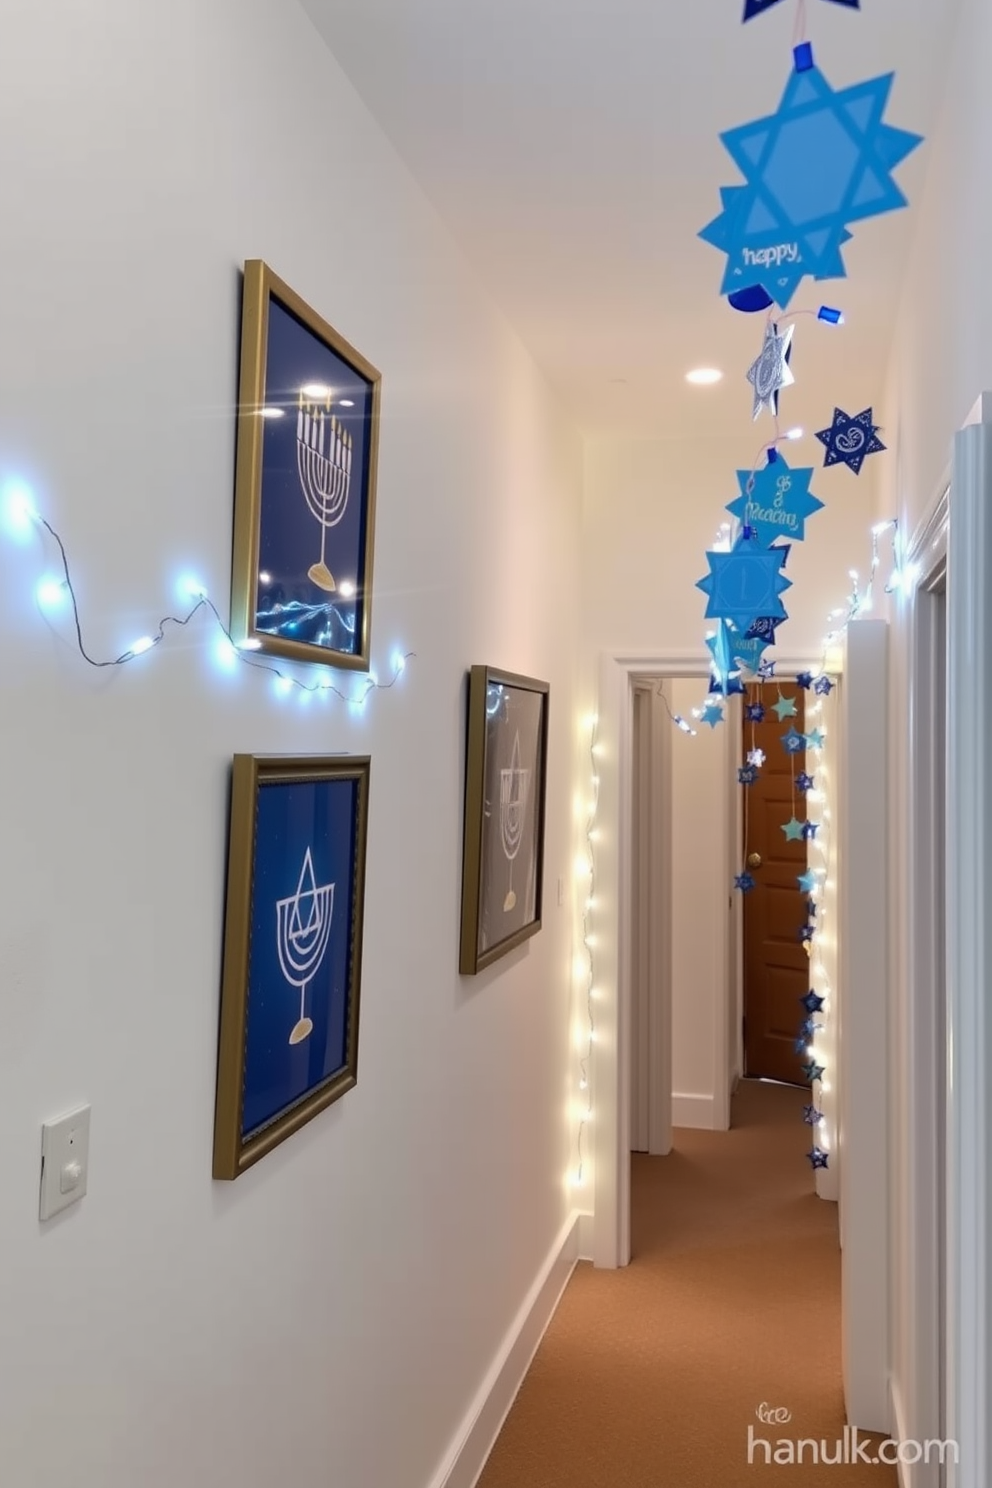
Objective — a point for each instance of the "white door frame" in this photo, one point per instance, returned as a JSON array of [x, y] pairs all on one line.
[[613, 849]]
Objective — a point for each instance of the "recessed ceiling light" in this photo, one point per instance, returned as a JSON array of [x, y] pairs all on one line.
[[703, 376]]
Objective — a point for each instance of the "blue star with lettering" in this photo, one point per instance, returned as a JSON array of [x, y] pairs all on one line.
[[815, 738], [747, 774], [743, 584], [807, 881], [748, 651], [818, 1157], [810, 830], [849, 441], [813, 1002], [804, 782], [775, 501], [812, 1116], [754, 712], [744, 882], [822, 161], [823, 686], [754, 8], [712, 714], [812, 1070], [793, 742]]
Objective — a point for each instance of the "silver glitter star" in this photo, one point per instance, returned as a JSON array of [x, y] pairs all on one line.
[[770, 373]]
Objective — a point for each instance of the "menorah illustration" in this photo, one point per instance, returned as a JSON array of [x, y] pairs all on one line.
[[323, 458], [303, 928], [514, 785]]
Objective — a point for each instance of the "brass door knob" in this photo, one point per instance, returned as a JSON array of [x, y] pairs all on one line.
[[754, 860]]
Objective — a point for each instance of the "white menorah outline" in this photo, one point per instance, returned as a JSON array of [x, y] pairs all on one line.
[[301, 945], [323, 459], [514, 787]]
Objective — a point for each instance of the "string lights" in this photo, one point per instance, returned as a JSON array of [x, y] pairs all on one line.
[[22, 520], [586, 968]]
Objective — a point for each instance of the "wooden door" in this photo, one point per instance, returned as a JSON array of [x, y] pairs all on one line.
[[776, 964]]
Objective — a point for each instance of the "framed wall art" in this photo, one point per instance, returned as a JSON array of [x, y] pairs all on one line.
[[505, 784], [304, 501], [292, 949]]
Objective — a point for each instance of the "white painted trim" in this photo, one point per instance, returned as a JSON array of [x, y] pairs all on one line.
[[697, 1112], [660, 943], [861, 1024], [969, 951], [483, 1421], [900, 1433], [611, 1052]]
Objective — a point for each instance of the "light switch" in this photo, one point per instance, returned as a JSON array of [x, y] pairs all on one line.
[[65, 1154]]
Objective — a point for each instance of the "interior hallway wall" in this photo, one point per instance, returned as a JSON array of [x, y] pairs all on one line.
[[336, 1308]]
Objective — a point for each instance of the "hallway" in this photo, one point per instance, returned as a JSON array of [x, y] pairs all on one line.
[[650, 1377]]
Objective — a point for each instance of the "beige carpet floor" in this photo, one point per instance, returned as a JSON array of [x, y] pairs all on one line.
[[651, 1377]]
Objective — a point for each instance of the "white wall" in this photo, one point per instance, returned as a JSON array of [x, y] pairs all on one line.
[[336, 1308], [941, 361]]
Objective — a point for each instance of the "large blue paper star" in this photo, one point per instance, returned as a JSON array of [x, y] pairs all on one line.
[[778, 502], [744, 584], [824, 160], [754, 8], [850, 440]]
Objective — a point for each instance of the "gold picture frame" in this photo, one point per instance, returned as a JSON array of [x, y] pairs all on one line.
[[505, 793], [305, 482], [292, 944]]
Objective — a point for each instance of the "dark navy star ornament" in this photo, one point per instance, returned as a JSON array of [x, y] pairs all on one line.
[[754, 8], [822, 161], [818, 1157], [849, 441]]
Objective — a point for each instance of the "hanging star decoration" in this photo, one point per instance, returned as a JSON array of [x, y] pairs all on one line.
[[805, 782], [712, 714], [766, 670], [770, 372], [818, 1158], [744, 882], [815, 738], [822, 161], [807, 881], [775, 500], [800, 1046], [720, 647], [793, 742], [754, 8], [785, 708], [734, 684], [764, 629], [806, 934], [810, 830], [747, 774], [793, 830], [811, 908], [805, 680], [823, 686], [850, 440], [754, 712], [813, 1002], [756, 757], [812, 1116], [748, 651], [812, 1070], [743, 584]]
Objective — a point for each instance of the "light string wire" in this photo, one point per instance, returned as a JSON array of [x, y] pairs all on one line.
[[202, 602], [589, 967]]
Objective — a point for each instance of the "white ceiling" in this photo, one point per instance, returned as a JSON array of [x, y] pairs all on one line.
[[572, 148]]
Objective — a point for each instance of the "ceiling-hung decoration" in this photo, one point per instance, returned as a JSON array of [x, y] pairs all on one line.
[[775, 502], [850, 439], [754, 8]]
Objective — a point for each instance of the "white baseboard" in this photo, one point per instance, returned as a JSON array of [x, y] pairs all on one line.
[[695, 1111], [899, 1433], [466, 1457]]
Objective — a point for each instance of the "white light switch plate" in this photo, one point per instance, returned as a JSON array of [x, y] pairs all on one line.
[[65, 1157]]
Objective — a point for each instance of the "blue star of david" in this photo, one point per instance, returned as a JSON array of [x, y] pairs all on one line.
[[804, 782], [793, 742], [712, 714], [744, 882], [754, 8], [778, 502], [744, 584], [764, 629], [822, 161], [747, 774], [850, 440], [754, 712]]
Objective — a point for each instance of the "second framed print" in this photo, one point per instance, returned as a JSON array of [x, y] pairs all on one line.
[[505, 785], [292, 949], [304, 502]]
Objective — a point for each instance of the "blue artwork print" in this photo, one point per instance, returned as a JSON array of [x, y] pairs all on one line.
[[302, 916], [822, 161], [744, 584], [850, 440], [315, 472], [775, 501]]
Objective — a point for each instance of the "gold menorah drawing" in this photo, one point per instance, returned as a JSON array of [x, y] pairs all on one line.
[[323, 458]]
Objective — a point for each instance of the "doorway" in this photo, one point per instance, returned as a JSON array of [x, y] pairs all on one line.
[[775, 833]]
